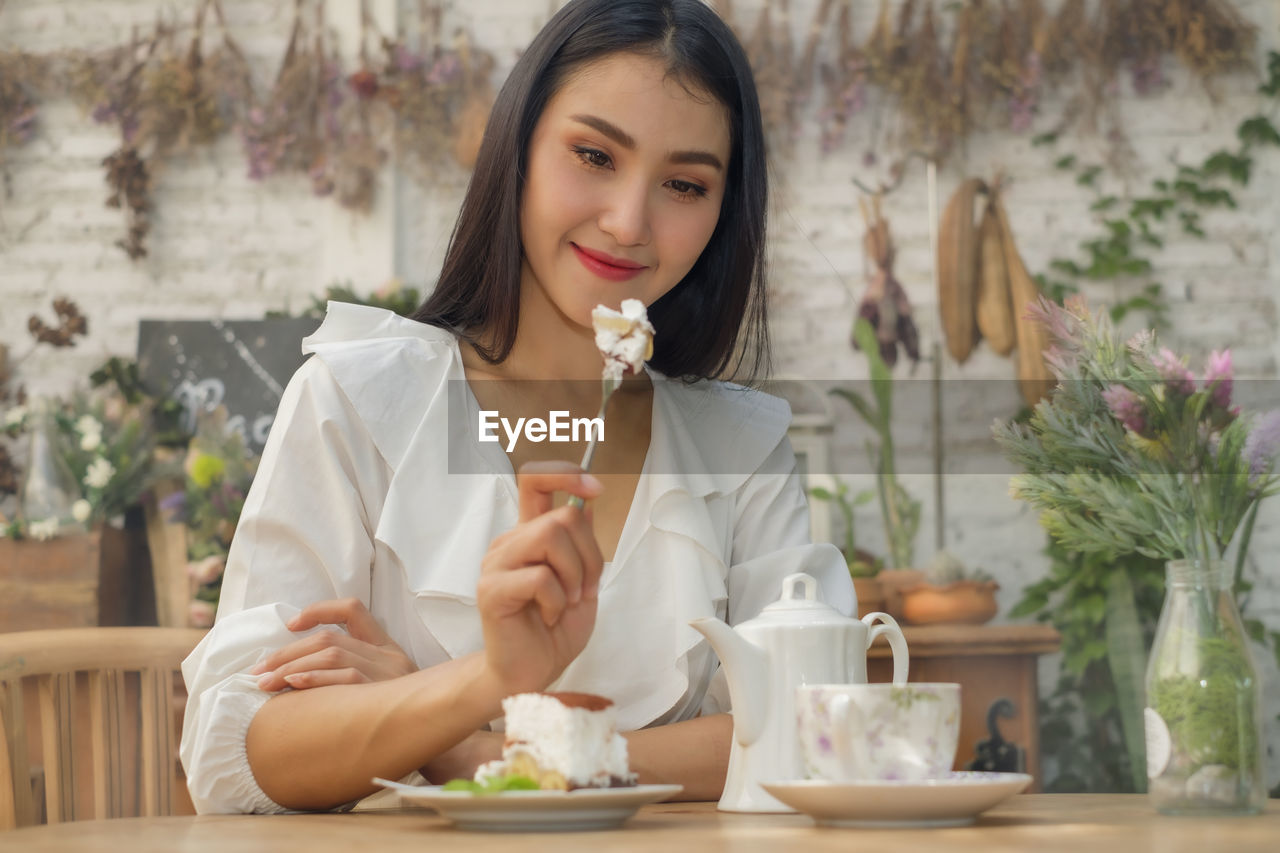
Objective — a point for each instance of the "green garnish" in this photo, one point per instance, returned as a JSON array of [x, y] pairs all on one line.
[[494, 785]]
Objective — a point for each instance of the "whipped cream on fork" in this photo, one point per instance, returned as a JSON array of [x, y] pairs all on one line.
[[624, 338]]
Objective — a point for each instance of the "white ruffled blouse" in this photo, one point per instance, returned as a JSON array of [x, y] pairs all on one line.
[[355, 497]]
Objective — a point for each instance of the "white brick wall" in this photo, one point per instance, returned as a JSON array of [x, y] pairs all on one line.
[[225, 246]]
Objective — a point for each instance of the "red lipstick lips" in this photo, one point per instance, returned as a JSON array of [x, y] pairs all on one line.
[[607, 267]]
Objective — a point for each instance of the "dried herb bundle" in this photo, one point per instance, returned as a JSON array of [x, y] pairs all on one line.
[[130, 183], [164, 96], [989, 64], [884, 304], [439, 92], [23, 79], [71, 324], [844, 80], [285, 130]]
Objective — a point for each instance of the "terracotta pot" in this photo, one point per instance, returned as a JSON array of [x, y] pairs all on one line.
[[961, 602], [870, 595], [892, 583]]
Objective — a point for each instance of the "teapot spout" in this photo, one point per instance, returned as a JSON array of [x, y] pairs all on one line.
[[746, 667]]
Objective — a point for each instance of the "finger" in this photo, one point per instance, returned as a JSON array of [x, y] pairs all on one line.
[[304, 646], [593, 559], [334, 658], [547, 540], [323, 677], [538, 481], [506, 594], [341, 611]]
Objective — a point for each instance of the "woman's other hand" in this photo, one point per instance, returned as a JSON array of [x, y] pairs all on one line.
[[361, 654], [462, 760], [539, 581]]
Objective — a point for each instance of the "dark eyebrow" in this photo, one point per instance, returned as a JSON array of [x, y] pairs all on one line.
[[624, 139]]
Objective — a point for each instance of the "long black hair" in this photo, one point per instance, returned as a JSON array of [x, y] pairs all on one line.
[[713, 323]]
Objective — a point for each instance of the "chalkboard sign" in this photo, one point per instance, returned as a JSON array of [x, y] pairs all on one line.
[[240, 364]]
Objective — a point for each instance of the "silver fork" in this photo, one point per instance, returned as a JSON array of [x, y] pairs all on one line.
[[607, 386]]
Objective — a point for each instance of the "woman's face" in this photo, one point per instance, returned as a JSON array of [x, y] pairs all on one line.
[[626, 174]]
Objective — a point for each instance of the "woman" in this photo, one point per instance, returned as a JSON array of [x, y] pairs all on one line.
[[624, 159]]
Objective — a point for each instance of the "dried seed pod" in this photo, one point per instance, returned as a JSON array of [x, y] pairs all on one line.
[[958, 270], [995, 309], [1034, 379]]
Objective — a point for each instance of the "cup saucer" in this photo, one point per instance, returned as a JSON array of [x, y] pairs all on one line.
[[952, 800]]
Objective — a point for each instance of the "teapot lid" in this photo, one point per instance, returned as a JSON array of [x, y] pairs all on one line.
[[800, 605]]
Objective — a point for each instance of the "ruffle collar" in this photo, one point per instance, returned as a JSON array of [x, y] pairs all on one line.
[[402, 377]]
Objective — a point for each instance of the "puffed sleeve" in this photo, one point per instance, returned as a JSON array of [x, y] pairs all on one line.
[[305, 535], [771, 540]]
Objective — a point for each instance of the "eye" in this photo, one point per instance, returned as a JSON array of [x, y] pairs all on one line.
[[593, 157], [687, 190]]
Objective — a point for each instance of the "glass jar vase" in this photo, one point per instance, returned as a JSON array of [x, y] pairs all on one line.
[[48, 489], [1203, 720]]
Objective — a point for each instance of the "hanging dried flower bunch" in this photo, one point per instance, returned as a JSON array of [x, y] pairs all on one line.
[[356, 124], [165, 97], [316, 120], [23, 79], [440, 94], [844, 82], [1002, 57], [130, 184], [884, 304], [282, 131]]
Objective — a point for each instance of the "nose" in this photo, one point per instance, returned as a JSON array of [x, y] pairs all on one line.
[[625, 214]]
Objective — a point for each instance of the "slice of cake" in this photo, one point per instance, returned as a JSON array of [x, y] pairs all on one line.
[[624, 338], [562, 741]]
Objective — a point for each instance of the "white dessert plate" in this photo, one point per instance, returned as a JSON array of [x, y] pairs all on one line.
[[953, 800], [535, 811]]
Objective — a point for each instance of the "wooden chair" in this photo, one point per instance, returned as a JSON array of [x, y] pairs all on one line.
[[103, 699]]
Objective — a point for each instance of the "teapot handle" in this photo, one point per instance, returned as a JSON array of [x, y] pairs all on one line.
[[897, 642]]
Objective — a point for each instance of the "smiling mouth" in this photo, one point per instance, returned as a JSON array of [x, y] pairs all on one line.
[[607, 267]]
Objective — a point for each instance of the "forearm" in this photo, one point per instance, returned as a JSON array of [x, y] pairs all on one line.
[[319, 748], [694, 753]]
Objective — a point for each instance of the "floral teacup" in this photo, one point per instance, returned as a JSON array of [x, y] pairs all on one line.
[[878, 732]]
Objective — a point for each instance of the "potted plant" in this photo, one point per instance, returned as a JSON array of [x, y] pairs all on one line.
[[1129, 453], [899, 512], [950, 593], [863, 566]]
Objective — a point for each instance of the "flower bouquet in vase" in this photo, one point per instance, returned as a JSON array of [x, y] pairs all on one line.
[[1132, 453]]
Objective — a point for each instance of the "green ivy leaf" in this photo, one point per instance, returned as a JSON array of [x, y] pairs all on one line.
[[1258, 131], [1272, 86], [1089, 176], [1031, 603]]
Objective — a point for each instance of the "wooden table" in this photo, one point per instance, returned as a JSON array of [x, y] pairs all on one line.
[[1096, 823]]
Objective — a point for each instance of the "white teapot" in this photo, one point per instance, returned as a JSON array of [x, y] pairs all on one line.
[[796, 640]]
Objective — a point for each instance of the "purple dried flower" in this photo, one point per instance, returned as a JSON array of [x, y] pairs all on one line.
[[444, 70], [1127, 408], [1261, 446], [1178, 379], [175, 503], [1061, 363], [1056, 320], [406, 60], [1217, 378]]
